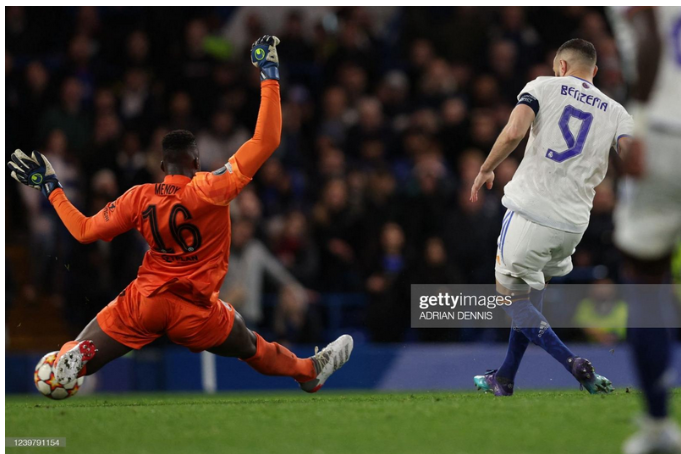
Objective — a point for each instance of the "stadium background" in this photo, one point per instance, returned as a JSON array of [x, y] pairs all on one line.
[[388, 113]]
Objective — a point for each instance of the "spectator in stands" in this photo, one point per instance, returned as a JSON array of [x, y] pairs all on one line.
[[222, 140], [335, 225], [69, 116], [250, 263], [137, 103], [436, 268], [603, 314], [387, 284], [295, 249]]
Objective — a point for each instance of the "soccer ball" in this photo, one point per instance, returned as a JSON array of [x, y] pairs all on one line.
[[47, 383]]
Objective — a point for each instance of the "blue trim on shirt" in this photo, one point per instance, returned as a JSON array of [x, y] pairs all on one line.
[[591, 83], [617, 142]]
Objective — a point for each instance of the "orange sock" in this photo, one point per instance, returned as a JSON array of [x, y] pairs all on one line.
[[274, 359], [66, 347]]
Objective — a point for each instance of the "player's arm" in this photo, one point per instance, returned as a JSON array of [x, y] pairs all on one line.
[[112, 220], [648, 55], [221, 186], [631, 153], [648, 51], [36, 171], [513, 133], [253, 154]]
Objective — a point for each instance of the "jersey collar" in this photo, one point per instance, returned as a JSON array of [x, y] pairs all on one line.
[[176, 179], [590, 83]]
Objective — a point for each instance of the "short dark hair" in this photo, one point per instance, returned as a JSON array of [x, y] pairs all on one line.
[[583, 47], [178, 144]]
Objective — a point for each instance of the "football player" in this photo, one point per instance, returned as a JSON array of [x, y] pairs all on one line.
[[573, 125], [185, 220], [648, 213]]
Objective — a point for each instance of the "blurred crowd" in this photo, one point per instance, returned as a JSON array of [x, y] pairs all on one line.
[[388, 114]]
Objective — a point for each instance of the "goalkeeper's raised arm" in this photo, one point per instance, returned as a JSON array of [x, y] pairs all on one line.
[[122, 215], [267, 134]]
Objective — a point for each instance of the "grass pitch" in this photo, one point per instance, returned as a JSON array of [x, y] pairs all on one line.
[[459, 423]]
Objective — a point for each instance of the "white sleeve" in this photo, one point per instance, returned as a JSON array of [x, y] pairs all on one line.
[[625, 128]]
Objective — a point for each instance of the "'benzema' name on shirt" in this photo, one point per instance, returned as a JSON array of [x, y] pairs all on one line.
[[582, 97]]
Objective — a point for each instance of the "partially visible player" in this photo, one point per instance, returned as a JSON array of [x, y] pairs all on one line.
[[648, 214], [186, 222], [573, 127]]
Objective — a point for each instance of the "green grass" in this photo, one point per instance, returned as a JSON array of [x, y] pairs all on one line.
[[349, 422]]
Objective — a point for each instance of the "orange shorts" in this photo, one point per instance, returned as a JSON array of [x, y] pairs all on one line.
[[135, 320]]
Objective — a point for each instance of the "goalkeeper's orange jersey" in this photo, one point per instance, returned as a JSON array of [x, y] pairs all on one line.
[[186, 223], [185, 220]]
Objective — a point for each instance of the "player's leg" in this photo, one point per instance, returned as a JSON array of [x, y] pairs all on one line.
[[122, 325], [648, 222], [514, 257], [518, 342], [241, 342], [651, 347], [91, 350], [517, 345], [529, 321], [268, 358], [271, 358], [526, 249]]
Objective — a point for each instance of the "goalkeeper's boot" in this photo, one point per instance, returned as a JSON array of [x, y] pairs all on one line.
[[490, 383], [328, 361], [587, 377], [72, 362], [655, 436]]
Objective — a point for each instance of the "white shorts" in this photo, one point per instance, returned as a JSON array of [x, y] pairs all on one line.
[[532, 252], [648, 213]]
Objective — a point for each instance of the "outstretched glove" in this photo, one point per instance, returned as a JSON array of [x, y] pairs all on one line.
[[264, 56], [34, 171]]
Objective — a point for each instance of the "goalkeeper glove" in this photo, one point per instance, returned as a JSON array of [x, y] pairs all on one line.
[[34, 171], [264, 56]]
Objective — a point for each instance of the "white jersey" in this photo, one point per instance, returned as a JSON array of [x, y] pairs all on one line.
[[648, 213], [663, 107], [567, 152]]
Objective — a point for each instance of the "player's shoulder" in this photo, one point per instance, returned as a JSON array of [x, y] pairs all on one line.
[[617, 106], [540, 81], [128, 202], [229, 168], [199, 177], [200, 183], [613, 105], [136, 190], [544, 79]]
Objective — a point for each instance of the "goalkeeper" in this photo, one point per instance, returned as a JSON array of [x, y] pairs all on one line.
[[186, 222]]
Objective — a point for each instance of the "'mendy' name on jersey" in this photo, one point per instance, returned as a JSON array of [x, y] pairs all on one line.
[[165, 189]]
